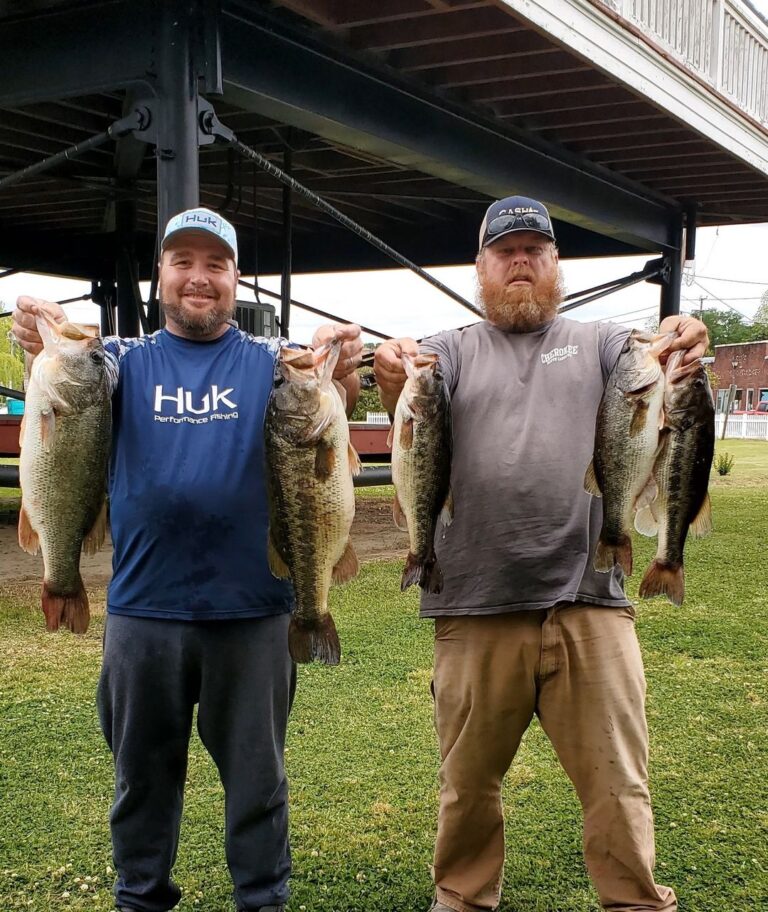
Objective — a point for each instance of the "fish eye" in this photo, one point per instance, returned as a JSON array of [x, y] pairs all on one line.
[[97, 357]]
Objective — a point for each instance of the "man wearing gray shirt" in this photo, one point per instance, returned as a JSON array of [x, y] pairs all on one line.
[[524, 624]]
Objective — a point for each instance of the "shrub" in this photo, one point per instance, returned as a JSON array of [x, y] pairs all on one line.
[[724, 463]]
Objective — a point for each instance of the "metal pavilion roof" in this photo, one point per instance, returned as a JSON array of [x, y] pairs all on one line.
[[626, 117]]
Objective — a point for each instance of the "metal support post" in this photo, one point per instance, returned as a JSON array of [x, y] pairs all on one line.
[[127, 306], [105, 294], [670, 289], [285, 279], [178, 176]]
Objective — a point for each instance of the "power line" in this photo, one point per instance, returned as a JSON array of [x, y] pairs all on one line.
[[736, 281], [722, 301]]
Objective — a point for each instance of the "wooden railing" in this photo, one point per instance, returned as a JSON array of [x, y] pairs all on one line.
[[723, 41]]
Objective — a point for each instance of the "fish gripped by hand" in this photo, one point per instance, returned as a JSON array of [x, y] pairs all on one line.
[[421, 441], [681, 472], [310, 464], [629, 420], [65, 442]]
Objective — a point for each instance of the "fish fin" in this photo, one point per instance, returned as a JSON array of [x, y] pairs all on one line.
[[347, 566], [426, 574], [318, 640], [277, 565], [702, 524], [639, 418], [28, 540], [391, 435], [590, 480], [446, 514], [355, 466], [646, 522], [95, 538], [608, 554], [662, 578], [397, 514], [649, 493], [22, 425], [406, 433], [47, 429], [325, 460], [70, 610]]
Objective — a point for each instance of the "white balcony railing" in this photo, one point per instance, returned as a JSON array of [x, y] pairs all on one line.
[[721, 40]]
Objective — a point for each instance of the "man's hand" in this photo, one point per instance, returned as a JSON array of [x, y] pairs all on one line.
[[351, 353], [389, 370], [692, 337], [24, 327]]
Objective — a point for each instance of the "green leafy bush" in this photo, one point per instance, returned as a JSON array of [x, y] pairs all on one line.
[[723, 464]]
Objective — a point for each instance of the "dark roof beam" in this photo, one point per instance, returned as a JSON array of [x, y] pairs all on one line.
[[614, 114], [468, 50], [343, 16], [504, 90], [65, 53], [573, 103], [59, 115], [305, 83], [460, 24], [545, 63]]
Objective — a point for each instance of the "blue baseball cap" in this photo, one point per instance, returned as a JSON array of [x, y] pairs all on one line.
[[515, 213], [202, 221]]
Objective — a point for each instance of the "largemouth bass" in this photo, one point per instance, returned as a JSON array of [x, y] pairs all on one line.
[[681, 472], [626, 440], [421, 443], [310, 463], [65, 442]]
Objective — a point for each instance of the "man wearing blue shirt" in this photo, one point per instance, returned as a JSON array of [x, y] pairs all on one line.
[[194, 615]]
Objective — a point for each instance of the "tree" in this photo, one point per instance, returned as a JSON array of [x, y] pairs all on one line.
[[760, 318], [726, 327], [11, 358], [369, 400]]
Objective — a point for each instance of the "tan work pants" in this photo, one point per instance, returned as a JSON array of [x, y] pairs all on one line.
[[579, 668]]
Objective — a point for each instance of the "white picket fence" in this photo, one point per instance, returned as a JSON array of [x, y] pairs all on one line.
[[376, 418], [746, 427]]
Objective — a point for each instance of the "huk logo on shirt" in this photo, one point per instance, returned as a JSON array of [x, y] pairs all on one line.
[[215, 405], [560, 354]]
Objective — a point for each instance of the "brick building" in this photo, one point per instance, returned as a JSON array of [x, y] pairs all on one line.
[[746, 365]]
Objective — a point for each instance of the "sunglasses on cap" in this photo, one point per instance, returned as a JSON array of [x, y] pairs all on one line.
[[532, 220]]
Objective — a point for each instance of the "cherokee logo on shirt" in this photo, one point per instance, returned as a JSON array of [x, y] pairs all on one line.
[[560, 354], [208, 408]]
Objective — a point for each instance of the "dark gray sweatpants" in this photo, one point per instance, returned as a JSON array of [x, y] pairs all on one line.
[[242, 677]]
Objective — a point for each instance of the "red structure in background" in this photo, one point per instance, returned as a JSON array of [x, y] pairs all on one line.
[[9, 435], [746, 366], [370, 441]]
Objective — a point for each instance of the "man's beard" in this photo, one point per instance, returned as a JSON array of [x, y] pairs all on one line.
[[522, 308], [198, 324]]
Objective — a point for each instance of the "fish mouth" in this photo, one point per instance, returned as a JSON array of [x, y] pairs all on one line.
[[677, 371]]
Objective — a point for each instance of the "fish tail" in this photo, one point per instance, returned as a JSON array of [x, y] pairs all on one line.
[[316, 639], [426, 574], [69, 609], [663, 578], [608, 554]]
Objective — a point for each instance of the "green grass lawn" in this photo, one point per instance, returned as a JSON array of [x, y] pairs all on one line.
[[362, 754]]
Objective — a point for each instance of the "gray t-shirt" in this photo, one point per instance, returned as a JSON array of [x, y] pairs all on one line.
[[524, 408]]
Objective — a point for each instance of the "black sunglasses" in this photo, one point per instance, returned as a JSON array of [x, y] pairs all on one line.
[[531, 220]]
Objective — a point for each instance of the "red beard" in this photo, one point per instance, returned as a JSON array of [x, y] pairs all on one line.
[[522, 308]]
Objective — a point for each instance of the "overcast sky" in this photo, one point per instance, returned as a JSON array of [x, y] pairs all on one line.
[[731, 270]]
